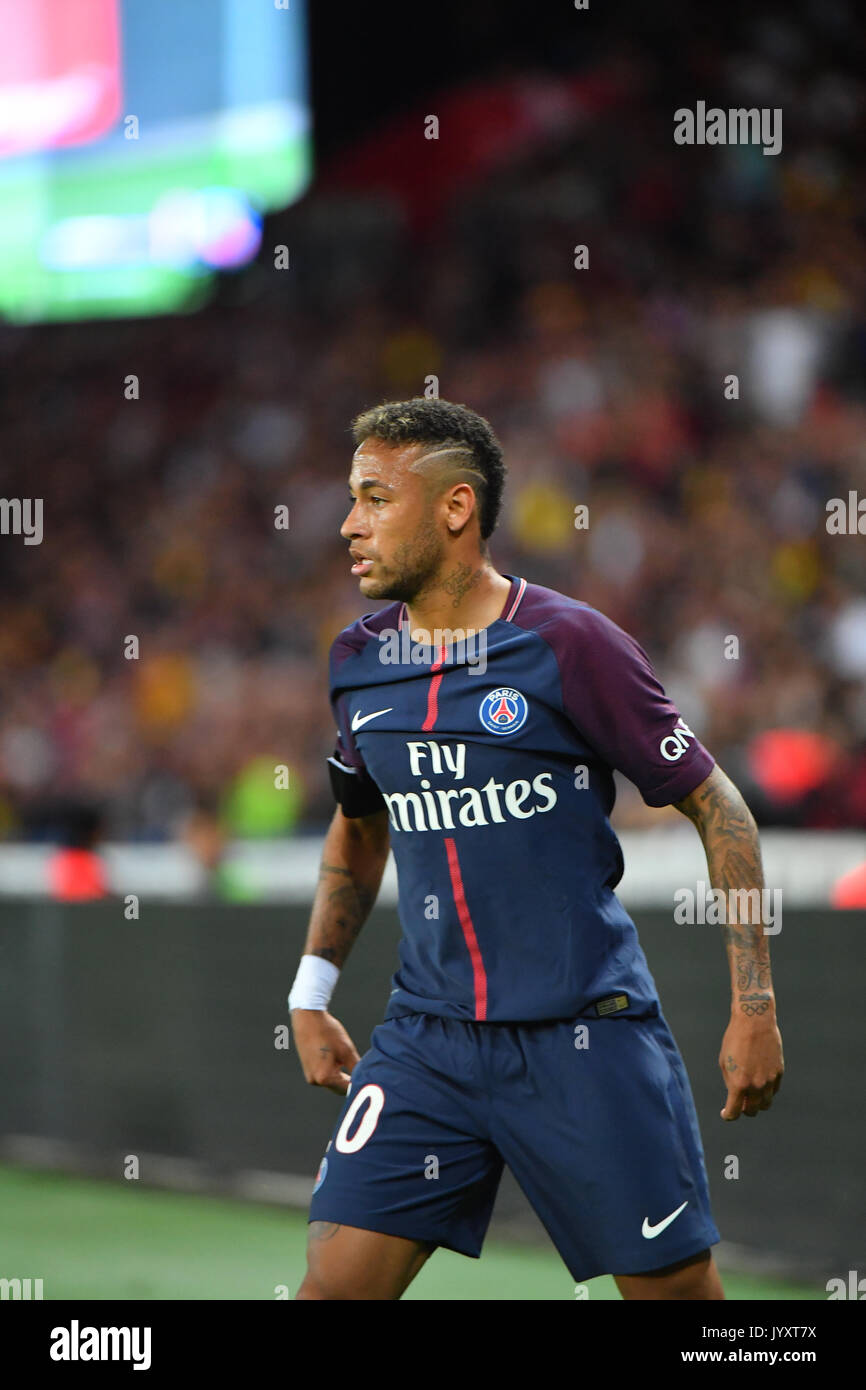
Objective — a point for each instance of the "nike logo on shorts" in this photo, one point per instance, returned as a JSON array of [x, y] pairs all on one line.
[[650, 1232]]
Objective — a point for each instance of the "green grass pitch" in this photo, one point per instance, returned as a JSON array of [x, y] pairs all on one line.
[[97, 1240]]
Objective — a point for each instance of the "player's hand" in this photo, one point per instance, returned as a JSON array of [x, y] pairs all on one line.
[[752, 1065], [327, 1053]]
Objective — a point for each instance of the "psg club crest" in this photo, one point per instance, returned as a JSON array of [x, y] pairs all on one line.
[[503, 711], [321, 1175]]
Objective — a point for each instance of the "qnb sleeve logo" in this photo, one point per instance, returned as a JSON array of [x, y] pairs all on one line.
[[677, 743], [503, 711]]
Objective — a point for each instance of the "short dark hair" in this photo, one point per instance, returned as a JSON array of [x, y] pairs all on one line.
[[450, 427]]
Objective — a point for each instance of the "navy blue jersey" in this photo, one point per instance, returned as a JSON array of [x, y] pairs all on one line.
[[495, 762]]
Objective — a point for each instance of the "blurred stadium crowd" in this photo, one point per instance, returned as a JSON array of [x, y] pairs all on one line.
[[606, 385]]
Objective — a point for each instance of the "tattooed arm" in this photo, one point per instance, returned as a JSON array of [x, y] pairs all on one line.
[[751, 1056], [352, 865], [353, 862]]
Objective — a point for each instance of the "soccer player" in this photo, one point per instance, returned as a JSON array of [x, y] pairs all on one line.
[[480, 718]]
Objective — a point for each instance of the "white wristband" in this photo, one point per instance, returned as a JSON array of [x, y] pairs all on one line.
[[314, 984]]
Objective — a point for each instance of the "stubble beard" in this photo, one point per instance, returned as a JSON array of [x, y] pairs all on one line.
[[414, 567]]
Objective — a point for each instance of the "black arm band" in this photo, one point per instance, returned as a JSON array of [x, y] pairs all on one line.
[[355, 791]]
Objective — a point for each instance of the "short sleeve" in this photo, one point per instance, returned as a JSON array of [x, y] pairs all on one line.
[[353, 787], [345, 750], [612, 695]]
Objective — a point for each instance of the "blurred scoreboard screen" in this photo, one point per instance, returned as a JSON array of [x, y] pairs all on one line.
[[140, 143]]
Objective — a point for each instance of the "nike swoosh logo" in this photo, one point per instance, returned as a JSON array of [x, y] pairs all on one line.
[[358, 719], [650, 1232]]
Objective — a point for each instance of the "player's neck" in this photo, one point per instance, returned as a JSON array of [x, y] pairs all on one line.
[[466, 597]]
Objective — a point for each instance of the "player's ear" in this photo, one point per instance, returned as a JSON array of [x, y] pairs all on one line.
[[461, 502]]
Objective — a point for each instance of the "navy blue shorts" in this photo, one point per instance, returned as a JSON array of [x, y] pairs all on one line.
[[597, 1126]]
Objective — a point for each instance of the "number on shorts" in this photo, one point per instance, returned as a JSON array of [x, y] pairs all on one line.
[[376, 1097]]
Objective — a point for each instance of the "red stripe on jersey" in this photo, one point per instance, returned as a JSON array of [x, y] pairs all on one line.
[[479, 975], [433, 692]]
